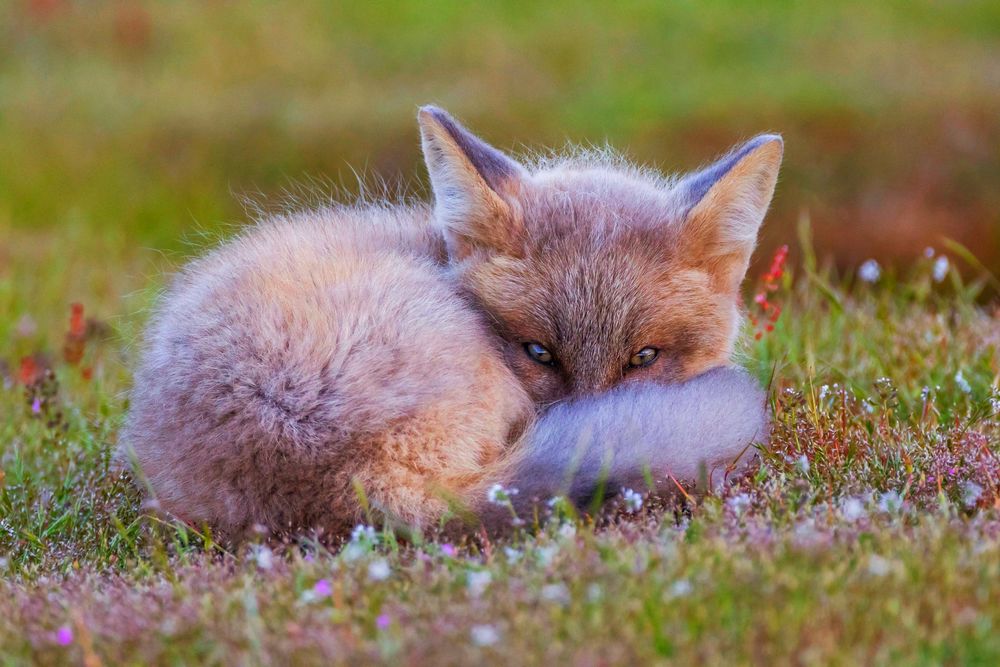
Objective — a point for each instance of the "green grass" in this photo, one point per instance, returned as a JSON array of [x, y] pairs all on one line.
[[869, 533]]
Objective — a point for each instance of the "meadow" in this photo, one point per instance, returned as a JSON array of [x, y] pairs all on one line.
[[134, 135]]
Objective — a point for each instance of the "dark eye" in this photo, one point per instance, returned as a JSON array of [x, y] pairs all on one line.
[[643, 357], [539, 353]]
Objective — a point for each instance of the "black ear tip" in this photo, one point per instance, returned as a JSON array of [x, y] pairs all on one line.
[[764, 139], [430, 112]]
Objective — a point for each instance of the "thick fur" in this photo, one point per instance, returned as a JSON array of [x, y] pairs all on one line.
[[642, 432], [596, 259], [376, 353], [313, 356]]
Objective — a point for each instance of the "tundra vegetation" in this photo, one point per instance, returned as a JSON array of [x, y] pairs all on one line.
[[869, 532]]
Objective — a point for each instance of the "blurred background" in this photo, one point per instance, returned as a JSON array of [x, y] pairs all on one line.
[[129, 129]]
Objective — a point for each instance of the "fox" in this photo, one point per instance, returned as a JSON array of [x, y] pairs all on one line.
[[555, 325]]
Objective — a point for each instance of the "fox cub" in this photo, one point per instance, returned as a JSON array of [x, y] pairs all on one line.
[[545, 325]]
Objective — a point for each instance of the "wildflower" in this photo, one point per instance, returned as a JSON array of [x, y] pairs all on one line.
[[870, 271], [498, 495], [383, 621], [971, 493], [853, 509], [363, 533], [448, 550], [513, 555], [823, 391], [878, 566], [802, 463], [484, 635], [681, 588], [379, 570], [547, 554], [36, 406], [940, 270], [264, 557], [476, 582], [633, 501], [322, 588], [64, 635], [962, 383], [739, 503], [890, 502], [929, 252], [557, 593], [567, 530]]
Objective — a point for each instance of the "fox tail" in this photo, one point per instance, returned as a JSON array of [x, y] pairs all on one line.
[[702, 431]]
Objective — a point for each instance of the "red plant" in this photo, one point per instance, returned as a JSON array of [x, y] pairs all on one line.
[[767, 312], [76, 337]]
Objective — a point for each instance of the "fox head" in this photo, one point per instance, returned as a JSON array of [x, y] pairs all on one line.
[[594, 272]]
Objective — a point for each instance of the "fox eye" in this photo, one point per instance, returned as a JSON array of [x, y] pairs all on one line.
[[539, 353], [643, 357]]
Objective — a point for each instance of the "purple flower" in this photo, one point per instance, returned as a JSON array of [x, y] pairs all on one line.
[[36, 406], [383, 621], [64, 635], [448, 550], [322, 588]]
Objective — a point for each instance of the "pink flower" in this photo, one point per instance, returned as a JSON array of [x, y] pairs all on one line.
[[448, 550], [322, 588], [64, 635], [383, 621]]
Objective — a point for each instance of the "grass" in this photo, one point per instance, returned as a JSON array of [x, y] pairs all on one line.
[[868, 533]]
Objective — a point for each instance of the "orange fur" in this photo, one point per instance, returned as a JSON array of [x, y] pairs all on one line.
[[382, 347]]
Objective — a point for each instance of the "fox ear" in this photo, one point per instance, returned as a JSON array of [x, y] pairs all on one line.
[[472, 184], [725, 204]]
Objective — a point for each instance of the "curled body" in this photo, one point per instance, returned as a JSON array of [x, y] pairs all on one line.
[[397, 357]]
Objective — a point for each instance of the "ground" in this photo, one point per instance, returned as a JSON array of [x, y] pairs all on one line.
[[134, 134], [869, 531]]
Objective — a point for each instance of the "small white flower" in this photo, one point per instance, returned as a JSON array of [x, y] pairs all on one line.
[[962, 383], [557, 593], [379, 570], [681, 588], [940, 271], [868, 406], [264, 557], [890, 502], [878, 566], [567, 530], [633, 501], [484, 635], [546, 554], [363, 533], [802, 463], [853, 509], [870, 271], [929, 252], [555, 501], [739, 503], [476, 582], [498, 495], [823, 391], [513, 555], [971, 493], [925, 393]]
